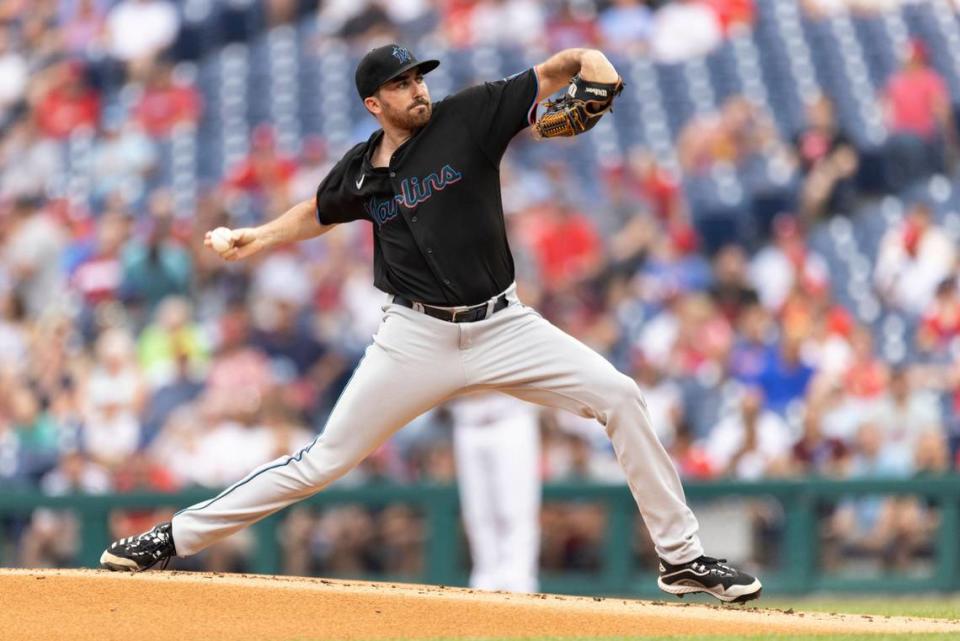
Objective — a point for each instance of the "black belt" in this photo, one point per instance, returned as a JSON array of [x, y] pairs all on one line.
[[468, 315]]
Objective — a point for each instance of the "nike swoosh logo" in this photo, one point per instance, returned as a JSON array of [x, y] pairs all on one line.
[[360, 181]]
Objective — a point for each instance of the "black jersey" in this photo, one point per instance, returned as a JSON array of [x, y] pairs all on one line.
[[437, 214]]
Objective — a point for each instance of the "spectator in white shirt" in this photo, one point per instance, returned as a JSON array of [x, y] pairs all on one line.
[[138, 30], [785, 263], [13, 76], [31, 254], [906, 413], [115, 393], [32, 164], [752, 443], [683, 30], [507, 22], [914, 258]]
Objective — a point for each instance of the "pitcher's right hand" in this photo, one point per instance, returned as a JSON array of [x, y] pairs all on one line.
[[244, 242]]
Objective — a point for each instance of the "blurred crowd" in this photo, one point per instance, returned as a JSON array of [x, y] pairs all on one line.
[[132, 359]]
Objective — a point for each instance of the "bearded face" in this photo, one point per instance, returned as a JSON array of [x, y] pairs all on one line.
[[403, 103], [410, 116]]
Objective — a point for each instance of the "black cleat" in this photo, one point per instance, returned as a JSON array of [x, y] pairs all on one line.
[[706, 574], [142, 552]]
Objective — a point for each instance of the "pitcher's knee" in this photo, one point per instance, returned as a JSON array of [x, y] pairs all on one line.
[[624, 392], [620, 394], [321, 465]]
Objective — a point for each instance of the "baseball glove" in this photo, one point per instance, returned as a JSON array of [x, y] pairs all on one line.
[[579, 109]]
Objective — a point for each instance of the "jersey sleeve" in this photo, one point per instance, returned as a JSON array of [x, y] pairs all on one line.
[[497, 111], [335, 201]]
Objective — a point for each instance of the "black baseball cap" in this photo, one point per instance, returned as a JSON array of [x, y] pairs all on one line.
[[385, 63]]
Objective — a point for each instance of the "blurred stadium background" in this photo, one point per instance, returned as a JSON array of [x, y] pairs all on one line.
[[763, 233]]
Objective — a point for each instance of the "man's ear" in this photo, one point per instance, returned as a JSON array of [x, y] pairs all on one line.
[[372, 103]]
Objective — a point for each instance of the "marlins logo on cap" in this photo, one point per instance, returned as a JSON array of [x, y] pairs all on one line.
[[401, 54]]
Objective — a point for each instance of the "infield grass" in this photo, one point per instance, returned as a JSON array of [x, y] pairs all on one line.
[[938, 607], [775, 637], [928, 636]]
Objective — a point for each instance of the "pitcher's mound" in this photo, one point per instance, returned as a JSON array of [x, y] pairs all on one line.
[[91, 605]]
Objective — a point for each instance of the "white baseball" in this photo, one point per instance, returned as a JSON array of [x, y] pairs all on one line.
[[222, 239]]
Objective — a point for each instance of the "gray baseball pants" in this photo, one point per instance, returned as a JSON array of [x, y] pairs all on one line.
[[417, 362]]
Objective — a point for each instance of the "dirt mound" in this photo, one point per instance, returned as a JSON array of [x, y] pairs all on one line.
[[55, 605]]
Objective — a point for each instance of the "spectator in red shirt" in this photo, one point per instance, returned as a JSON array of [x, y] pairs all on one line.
[[69, 105], [691, 457], [917, 106], [916, 97], [166, 102], [568, 247], [731, 13], [265, 174], [941, 320], [867, 376], [655, 184], [456, 19]]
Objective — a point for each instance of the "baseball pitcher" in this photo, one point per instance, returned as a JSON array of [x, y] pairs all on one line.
[[428, 181]]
